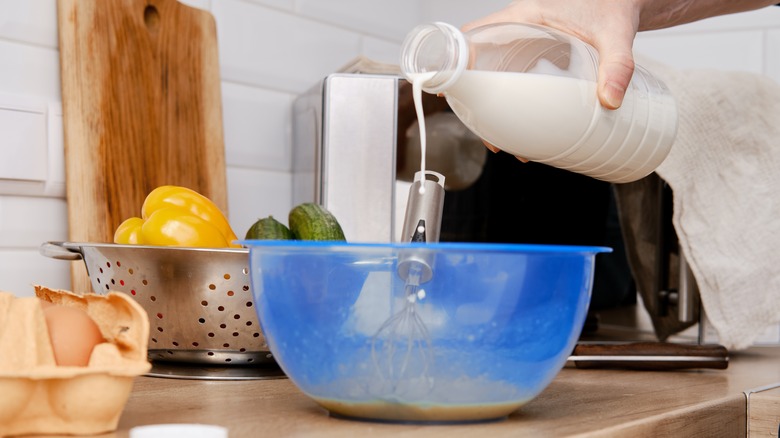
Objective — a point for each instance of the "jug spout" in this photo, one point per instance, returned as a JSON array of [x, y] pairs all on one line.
[[437, 53]]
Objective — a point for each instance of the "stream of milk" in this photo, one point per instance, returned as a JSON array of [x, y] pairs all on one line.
[[417, 83]]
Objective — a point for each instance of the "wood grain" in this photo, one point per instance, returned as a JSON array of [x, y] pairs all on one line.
[[141, 108], [764, 412]]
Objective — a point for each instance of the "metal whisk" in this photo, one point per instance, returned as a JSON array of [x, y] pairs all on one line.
[[401, 348]]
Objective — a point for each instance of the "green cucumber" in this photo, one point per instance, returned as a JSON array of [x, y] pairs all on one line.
[[269, 229], [310, 221]]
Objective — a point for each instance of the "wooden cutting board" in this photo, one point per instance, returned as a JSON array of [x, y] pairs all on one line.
[[141, 108]]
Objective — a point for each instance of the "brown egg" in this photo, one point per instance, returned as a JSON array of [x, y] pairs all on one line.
[[73, 334]]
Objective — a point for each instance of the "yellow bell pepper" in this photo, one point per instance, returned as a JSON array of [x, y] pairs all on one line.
[[129, 232], [177, 216]]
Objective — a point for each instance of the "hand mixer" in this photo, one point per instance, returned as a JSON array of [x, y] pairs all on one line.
[[401, 348]]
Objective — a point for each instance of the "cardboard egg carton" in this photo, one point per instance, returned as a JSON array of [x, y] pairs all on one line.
[[39, 397]]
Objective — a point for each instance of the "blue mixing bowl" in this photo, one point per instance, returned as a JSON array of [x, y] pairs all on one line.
[[447, 332]]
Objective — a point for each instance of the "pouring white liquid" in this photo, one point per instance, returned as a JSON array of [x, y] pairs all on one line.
[[417, 84], [424, 205]]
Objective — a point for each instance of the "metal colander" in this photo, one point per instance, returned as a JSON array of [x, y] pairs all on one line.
[[199, 300]]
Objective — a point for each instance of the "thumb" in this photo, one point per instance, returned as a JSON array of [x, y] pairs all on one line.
[[616, 67]]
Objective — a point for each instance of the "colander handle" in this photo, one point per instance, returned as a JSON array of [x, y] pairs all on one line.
[[61, 251]]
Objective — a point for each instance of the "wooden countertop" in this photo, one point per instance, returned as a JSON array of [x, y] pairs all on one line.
[[577, 403]]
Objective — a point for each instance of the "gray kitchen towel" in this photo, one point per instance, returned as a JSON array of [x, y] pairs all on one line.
[[724, 170]]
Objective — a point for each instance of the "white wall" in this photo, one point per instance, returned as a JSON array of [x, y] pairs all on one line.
[[270, 50]]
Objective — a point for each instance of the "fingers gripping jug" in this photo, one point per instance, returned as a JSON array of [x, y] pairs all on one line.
[[531, 91]]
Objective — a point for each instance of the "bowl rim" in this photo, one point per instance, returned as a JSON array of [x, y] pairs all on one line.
[[299, 245]]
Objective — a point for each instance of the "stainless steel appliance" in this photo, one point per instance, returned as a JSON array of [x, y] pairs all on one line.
[[344, 152]]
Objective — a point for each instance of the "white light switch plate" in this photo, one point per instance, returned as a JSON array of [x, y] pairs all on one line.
[[23, 144]]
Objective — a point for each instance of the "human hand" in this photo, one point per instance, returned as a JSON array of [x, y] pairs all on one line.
[[608, 25], [611, 26]]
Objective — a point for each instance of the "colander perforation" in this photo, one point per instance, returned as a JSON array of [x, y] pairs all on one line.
[[199, 302]]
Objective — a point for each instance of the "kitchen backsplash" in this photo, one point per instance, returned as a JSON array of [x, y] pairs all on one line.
[[270, 51]]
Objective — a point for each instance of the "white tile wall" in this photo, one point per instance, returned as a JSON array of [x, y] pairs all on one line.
[[253, 194], [280, 50], [20, 269], [740, 50], [31, 21], [373, 17], [270, 50], [29, 70], [257, 127], [278, 4], [772, 49], [381, 50], [25, 223], [55, 183], [458, 12], [201, 4], [733, 42]]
